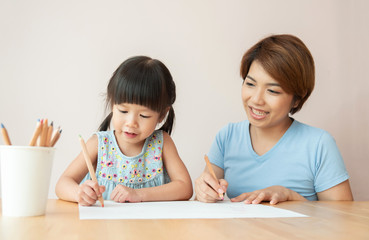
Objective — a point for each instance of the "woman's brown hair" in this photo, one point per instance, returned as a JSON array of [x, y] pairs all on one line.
[[286, 59]]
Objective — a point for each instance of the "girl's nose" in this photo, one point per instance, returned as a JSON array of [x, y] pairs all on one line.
[[131, 121]]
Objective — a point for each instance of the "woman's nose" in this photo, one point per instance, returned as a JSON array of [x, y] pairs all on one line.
[[258, 97]]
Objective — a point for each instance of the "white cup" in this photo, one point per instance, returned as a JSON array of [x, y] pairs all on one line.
[[25, 179]]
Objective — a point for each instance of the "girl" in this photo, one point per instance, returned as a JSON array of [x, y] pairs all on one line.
[[272, 157], [134, 162]]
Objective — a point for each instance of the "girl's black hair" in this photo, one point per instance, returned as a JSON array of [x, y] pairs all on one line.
[[144, 81]]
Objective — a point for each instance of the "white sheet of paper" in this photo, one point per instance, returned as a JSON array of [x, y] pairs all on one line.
[[182, 210]]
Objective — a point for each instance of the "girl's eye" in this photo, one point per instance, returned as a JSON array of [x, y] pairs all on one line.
[[123, 111], [144, 116]]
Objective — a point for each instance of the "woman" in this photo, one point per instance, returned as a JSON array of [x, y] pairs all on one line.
[[272, 157]]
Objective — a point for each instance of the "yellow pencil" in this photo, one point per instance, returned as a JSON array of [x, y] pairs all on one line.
[[36, 134], [208, 164], [89, 165], [5, 135]]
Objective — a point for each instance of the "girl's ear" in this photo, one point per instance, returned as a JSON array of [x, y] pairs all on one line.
[[164, 114]]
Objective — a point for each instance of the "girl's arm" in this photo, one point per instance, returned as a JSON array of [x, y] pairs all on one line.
[[68, 188], [341, 191], [180, 187]]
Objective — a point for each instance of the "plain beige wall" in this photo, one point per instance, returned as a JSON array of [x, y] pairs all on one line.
[[56, 58]]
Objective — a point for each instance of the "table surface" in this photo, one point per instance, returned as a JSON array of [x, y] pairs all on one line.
[[327, 220]]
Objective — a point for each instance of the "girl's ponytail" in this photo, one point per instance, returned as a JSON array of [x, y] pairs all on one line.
[[105, 125], [168, 125]]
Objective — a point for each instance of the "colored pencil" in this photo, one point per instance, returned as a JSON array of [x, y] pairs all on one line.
[[37, 132], [56, 136], [49, 133], [89, 165], [208, 164], [5, 135], [44, 134]]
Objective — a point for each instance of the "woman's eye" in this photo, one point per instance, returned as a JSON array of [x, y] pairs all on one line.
[[250, 84], [274, 92]]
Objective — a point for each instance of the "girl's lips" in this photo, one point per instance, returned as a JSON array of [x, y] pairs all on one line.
[[130, 135]]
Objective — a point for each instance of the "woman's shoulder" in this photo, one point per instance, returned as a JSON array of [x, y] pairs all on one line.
[[308, 131], [235, 127]]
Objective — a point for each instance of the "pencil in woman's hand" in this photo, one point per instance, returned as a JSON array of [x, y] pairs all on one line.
[[5, 135], [37, 132], [89, 165], [208, 164]]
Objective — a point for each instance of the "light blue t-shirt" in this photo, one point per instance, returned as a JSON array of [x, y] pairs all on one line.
[[306, 160], [141, 171]]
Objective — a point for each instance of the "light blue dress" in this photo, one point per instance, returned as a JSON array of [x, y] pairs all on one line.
[[141, 171], [306, 159]]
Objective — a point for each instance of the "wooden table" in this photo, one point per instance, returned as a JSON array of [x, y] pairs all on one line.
[[328, 220]]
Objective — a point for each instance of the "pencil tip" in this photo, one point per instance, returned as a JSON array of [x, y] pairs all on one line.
[[2, 125], [52, 123]]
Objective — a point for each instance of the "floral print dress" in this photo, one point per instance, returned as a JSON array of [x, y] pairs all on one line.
[[141, 171]]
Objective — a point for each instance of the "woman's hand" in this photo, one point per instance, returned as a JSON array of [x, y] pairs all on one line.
[[125, 194], [89, 192], [273, 194], [208, 189]]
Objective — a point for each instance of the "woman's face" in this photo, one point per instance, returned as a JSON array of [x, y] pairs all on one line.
[[266, 104]]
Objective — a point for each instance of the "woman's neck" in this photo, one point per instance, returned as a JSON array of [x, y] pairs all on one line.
[[264, 139]]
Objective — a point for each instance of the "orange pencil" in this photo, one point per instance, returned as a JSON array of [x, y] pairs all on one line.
[[5, 135], [49, 133], [89, 165], [56, 136], [208, 164], [36, 134], [44, 134]]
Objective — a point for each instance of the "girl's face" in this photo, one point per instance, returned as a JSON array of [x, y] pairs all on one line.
[[134, 123], [265, 102]]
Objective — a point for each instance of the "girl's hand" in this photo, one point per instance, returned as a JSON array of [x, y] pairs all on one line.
[[125, 194], [89, 192], [274, 194], [207, 188]]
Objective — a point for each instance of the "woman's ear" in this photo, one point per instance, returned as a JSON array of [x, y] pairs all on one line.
[[164, 114]]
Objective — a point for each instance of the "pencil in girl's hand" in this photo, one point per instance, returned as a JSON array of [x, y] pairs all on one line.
[[55, 138], [89, 165], [37, 132], [49, 133], [5, 135], [208, 164]]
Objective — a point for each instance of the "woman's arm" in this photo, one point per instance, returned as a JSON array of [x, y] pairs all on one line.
[[68, 188], [341, 191], [207, 188], [273, 194]]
